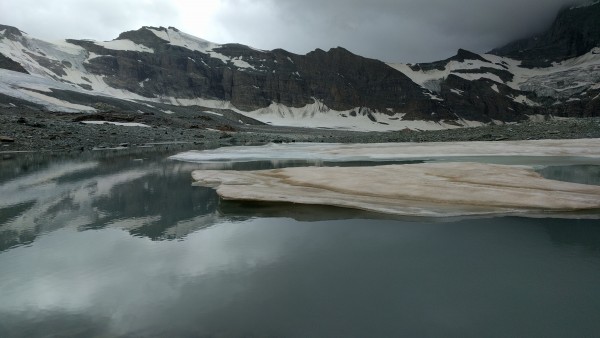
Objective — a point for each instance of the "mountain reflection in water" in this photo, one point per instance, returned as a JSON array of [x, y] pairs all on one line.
[[147, 197], [125, 245]]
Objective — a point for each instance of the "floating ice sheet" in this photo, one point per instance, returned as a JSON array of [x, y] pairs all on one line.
[[394, 151], [428, 189]]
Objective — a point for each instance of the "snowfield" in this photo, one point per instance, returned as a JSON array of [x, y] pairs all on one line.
[[560, 81], [125, 45], [318, 115]]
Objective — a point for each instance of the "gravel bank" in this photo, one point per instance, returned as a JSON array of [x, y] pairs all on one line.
[[30, 130]]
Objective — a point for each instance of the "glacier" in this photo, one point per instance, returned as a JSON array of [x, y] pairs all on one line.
[[561, 81], [458, 183]]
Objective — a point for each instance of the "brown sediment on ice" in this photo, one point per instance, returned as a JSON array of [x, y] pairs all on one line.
[[429, 189]]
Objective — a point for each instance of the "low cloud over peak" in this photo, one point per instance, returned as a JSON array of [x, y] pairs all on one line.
[[390, 30]]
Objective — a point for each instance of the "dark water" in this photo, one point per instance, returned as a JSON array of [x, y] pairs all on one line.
[[99, 246]]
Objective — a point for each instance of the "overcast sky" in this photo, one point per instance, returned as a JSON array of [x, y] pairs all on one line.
[[390, 30]]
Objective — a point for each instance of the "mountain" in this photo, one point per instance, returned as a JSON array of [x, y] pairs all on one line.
[[163, 70], [574, 32]]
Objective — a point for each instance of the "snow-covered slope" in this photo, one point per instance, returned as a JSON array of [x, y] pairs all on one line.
[[334, 89], [65, 62], [177, 38], [563, 81], [126, 69], [318, 115]]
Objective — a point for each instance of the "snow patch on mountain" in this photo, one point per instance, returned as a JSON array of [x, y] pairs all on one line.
[[524, 100], [30, 52], [121, 124], [318, 115], [66, 47], [30, 88], [433, 96], [564, 79], [207, 103], [125, 45], [177, 38], [213, 113], [54, 103], [240, 63], [561, 81], [62, 62], [422, 77]]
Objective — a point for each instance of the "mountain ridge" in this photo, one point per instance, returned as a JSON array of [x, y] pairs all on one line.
[[574, 32], [334, 88]]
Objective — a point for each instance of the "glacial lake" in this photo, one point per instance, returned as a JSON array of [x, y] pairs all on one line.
[[109, 245]]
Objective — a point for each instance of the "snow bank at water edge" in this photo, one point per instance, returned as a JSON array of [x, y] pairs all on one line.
[[122, 124], [332, 152]]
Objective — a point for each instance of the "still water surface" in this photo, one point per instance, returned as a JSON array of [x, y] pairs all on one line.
[[123, 246]]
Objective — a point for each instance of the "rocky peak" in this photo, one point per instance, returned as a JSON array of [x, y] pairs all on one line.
[[10, 32], [461, 56], [6, 63], [143, 36], [575, 32], [161, 38], [14, 34]]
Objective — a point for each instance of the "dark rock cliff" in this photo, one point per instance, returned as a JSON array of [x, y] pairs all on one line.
[[478, 100], [461, 56], [340, 79], [574, 32], [6, 63]]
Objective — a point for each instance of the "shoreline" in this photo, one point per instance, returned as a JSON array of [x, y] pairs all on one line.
[[26, 130]]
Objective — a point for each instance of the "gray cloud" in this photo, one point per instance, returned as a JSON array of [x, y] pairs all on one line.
[[90, 19], [391, 30]]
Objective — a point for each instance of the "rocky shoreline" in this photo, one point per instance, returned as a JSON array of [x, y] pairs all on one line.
[[33, 130]]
